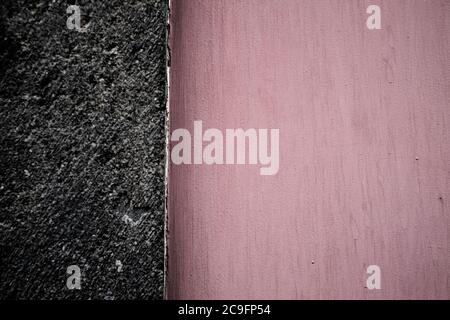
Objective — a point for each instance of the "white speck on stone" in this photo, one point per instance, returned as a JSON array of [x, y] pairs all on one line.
[[126, 218], [119, 265]]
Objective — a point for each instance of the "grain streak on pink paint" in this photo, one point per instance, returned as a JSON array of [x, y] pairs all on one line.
[[364, 119]]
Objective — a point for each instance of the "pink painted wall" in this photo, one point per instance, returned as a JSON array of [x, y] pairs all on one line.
[[364, 119]]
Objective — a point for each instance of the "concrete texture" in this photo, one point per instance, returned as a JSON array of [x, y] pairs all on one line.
[[364, 140], [82, 149]]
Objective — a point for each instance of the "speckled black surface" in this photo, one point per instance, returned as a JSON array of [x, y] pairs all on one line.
[[82, 149]]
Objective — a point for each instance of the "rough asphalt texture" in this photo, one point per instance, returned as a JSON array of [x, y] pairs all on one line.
[[82, 149]]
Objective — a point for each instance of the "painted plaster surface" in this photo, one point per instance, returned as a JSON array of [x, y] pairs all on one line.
[[364, 120]]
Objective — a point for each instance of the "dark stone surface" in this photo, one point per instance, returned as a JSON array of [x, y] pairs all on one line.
[[82, 149]]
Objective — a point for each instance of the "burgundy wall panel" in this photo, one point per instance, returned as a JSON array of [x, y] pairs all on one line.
[[364, 123]]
